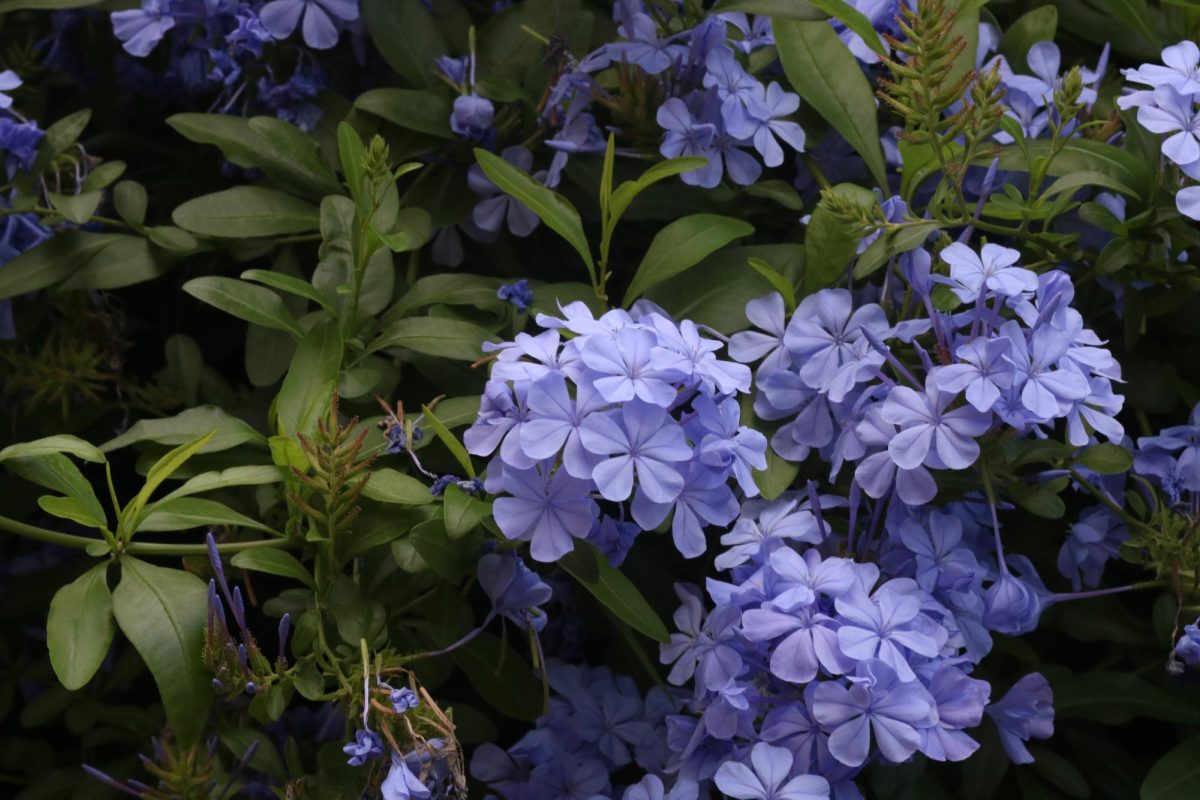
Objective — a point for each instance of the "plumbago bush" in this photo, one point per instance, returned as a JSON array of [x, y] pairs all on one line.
[[763, 399]]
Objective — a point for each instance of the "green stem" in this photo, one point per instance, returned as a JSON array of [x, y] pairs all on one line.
[[137, 548]]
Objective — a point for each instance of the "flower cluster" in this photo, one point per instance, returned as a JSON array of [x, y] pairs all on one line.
[[219, 48], [854, 387], [630, 409], [1165, 96], [597, 724]]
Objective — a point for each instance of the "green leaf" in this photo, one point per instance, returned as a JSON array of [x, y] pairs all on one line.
[[507, 53], [391, 486], [826, 75], [407, 37], [682, 244], [829, 242], [52, 261], [74, 509], [162, 613], [243, 300], [1040, 502], [133, 514], [424, 112], [228, 431], [452, 289], [434, 336], [285, 283], [246, 212], [1030, 28], [60, 137], [1175, 776], [1105, 459], [62, 443], [854, 20], [552, 208], [55, 471], [233, 476], [124, 261], [782, 192], [311, 380], [103, 176], [892, 243], [786, 9], [171, 238], [624, 195], [80, 627], [274, 562], [442, 555], [501, 676], [185, 513], [1114, 698], [449, 440], [608, 585], [1087, 179], [288, 156], [130, 199], [778, 477], [709, 294], [463, 513], [78, 208], [776, 280], [351, 152]]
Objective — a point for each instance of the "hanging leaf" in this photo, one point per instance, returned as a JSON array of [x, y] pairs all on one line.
[[80, 627], [162, 613], [274, 562], [826, 75], [608, 585], [243, 300]]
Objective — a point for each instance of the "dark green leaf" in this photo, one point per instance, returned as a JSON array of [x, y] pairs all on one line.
[[506, 50], [52, 261], [778, 477], [780, 283], [854, 20], [444, 556], [425, 112], [1114, 698], [246, 301], [826, 75], [452, 289], [449, 440], [624, 195], [1105, 459], [185, 513], [682, 244], [130, 199], [786, 9], [1030, 28], [124, 261], [434, 336], [221, 479], [186, 426], [246, 212], [285, 283], [407, 37], [311, 380], [502, 677], [390, 486], [463, 513], [7, 6], [80, 627], [1135, 15], [782, 192], [606, 583], [274, 562], [78, 208], [1175, 776], [552, 208], [103, 176], [162, 613], [55, 471], [60, 137]]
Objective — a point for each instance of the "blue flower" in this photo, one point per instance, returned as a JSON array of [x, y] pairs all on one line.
[[767, 777], [1174, 113], [498, 208], [366, 745], [1188, 646], [1025, 712], [1094, 539], [888, 625], [761, 122], [644, 48], [472, 116], [518, 293], [19, 141], [404, 699], [546, 510], [516, 591], [896, 710], [626, 370], [985, 371], [685, 136], [641, 439], [929, 435], [316, 18], [139, 29], [401, 783]]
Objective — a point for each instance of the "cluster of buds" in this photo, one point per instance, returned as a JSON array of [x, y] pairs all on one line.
[[238, 667], [338, 474]]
